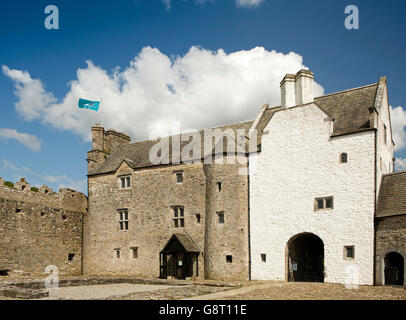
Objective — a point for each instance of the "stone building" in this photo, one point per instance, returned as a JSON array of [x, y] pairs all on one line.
[[390, 226], [170, 220], [305, 192], [39, 228]]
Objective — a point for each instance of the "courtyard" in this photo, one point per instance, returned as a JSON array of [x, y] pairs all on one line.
[[156, 289]]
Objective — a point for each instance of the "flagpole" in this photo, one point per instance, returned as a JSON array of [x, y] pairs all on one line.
[[101, 110]]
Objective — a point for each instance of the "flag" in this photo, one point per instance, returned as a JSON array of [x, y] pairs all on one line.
[[87, 104]]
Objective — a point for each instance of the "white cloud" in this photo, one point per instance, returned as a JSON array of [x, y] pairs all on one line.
[[398, 118], [400, 164], [248, 3], [60, 181], [33, 98], [200, 89], [167, 4], [28, 140]]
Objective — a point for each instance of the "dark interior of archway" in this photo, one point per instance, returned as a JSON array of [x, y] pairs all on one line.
[[306, 259], [394, 269]]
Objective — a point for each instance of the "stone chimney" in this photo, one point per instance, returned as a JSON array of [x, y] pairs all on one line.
[[304, 87], [288, 98], [103, 144], [297, 89]]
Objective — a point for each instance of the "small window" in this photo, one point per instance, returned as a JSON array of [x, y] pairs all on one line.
[[229, 259], [385, 134], [344, 158], [324, 203], [18, 210], [349, 252], [179, 217], [179, 177], [71, 256], [125, 182], [118, 253], [123, 219], [134, 251], [221, 217], [263, 257], [198, 218], [218, 186], [64, 217]]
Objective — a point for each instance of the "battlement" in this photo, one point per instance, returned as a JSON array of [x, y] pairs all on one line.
[[65, 198]]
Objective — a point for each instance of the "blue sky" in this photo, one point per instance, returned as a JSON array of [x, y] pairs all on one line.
[[143, 36]]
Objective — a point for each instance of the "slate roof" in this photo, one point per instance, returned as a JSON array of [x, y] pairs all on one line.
[[136, 154], [185, 240], [392, 195], [350, 110]]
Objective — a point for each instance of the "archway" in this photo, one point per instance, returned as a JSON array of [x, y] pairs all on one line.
[[305, 258], [394, 268]]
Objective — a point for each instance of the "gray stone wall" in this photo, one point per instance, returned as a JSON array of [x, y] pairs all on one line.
[[149, 202], [390, 237], [41, 228]]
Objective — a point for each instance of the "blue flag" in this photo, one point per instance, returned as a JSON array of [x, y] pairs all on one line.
[[87, 104]]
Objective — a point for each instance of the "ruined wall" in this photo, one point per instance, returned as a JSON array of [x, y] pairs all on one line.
[[41, 228], [390, 237]]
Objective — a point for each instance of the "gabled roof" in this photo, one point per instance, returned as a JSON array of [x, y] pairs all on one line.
[[392, 195], [185, 241]]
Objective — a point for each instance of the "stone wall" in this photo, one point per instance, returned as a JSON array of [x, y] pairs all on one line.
[[390, 237], [153, 193], [40, 228]]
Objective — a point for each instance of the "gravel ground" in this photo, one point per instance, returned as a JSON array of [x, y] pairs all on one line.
[[104, 291], [309, 291]]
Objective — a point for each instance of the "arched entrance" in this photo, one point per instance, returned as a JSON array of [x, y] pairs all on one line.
[[305, 258], [394, 269]]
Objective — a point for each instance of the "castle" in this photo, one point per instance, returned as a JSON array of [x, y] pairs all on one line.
[[308, 194]]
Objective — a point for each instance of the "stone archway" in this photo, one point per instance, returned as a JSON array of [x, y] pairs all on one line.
[[394, 268], [305, 258]]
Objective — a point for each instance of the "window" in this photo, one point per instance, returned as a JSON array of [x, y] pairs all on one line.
[[178, 217], [219, 186], [349, 252], [221, 217], [71, 256], [385, 133], [323, 203], [263, 257], [179, 177], [125, 182], [198, 218], [229, 259], [118, 253], [343, 158], [123, 219], [134, 251]]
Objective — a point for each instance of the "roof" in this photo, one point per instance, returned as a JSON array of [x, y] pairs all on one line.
[[136, 154], [184, 240], [392, 195], [350, 110]]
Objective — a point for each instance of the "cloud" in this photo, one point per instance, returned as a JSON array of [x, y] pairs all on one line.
[[200, 89], [59, 181], [33, 98], [400, 164], [167, 4], [398, 117], [248, 3], [28, 140]]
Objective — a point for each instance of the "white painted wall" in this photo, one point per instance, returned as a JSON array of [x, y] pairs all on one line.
[[298, 163]]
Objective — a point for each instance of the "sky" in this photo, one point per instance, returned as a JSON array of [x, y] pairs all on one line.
[[202, 63]]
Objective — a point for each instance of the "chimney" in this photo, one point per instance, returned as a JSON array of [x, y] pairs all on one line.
[[113, 139], [288, 98], [297, 89], [98, 137], [304, 87]]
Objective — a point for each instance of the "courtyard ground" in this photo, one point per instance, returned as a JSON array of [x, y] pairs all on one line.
[[157, 289]]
